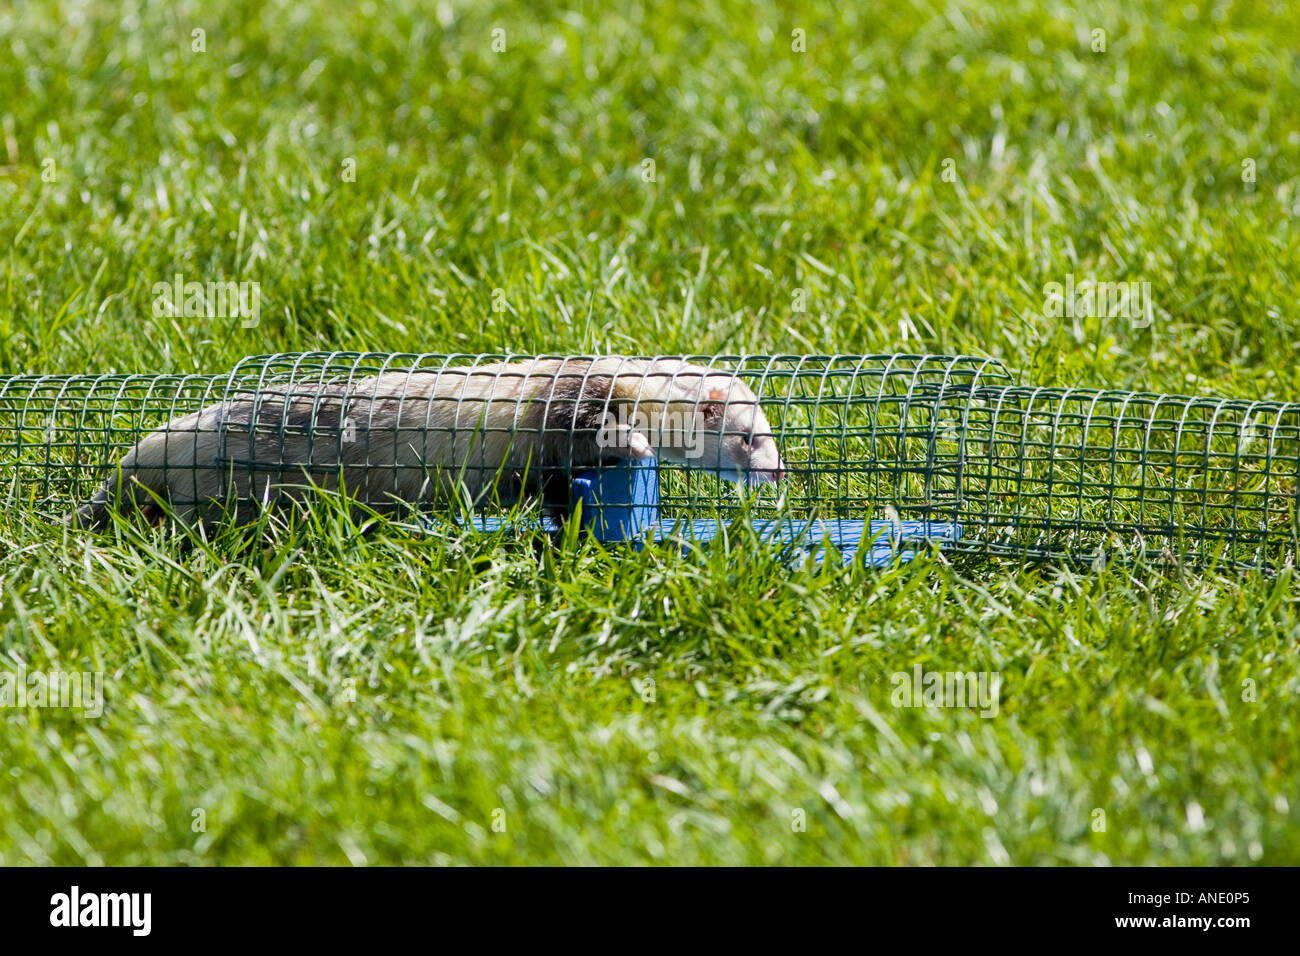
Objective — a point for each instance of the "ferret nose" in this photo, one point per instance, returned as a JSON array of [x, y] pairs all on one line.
[[779, 473]]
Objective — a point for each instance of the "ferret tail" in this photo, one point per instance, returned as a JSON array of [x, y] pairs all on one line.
[[93, 515], [132, 486], [119, 493]]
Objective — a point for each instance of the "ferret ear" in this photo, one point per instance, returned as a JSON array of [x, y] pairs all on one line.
[[713, 405]]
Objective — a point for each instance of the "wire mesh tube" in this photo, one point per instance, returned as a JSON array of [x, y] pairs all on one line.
[[1038, 472]]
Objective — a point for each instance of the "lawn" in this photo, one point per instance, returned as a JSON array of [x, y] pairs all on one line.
[[678, 178]]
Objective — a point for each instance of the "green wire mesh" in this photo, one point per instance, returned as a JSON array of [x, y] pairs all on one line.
[[1034, 472], [62, 435]]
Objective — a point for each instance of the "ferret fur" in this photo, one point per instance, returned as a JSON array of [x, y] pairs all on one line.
[[485, 434]]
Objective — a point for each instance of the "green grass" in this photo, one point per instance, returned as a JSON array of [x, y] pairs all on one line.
[[325, 693]]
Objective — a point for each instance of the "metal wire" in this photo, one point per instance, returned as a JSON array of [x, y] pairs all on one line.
[[60, 435], [1035, 472]]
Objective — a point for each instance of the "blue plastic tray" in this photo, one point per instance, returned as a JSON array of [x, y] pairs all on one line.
[[622, 504]]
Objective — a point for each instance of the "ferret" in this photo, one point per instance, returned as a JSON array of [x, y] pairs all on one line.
[[401, 439]]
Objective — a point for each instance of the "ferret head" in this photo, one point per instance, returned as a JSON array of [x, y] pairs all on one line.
[[705, 420]]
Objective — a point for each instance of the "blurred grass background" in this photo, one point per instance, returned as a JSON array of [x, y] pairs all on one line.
[[798, 203]]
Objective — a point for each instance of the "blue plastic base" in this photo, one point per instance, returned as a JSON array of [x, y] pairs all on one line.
[[488, 525], [621, 504], [875, 543]]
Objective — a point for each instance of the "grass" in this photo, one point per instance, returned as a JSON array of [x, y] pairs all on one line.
[[319, 692]]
